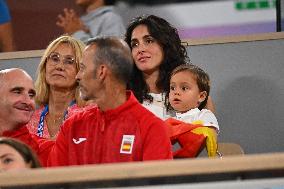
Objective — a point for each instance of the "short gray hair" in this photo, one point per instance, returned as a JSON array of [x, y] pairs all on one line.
[[115, 53]]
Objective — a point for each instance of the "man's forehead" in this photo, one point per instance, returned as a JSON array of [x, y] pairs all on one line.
[[90, 50], [16, 78], [88, 54], [14, 72]]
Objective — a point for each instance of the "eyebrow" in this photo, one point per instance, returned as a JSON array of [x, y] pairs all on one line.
[[5, 155], [22, 88], [67, 55], [145, 36], [17, 88], [185, 83]]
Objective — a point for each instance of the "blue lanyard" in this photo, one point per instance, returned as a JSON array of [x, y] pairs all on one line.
[[44, 113]]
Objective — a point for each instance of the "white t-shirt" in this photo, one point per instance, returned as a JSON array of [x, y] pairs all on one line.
[[205, 116], [158, 108]]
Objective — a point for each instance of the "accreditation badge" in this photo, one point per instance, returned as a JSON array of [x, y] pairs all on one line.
[[127, 144]]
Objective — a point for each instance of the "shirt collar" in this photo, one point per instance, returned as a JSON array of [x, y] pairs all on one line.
[[188, 113]]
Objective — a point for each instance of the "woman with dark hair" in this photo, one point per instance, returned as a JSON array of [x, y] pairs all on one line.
[[156, 50], [16, 155]]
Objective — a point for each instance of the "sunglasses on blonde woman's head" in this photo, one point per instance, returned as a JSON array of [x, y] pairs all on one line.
[[56, 58]]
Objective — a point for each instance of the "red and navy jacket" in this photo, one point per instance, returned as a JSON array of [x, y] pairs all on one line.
[[127, 133]]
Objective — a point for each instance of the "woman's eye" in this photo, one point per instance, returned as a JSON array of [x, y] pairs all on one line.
[[172, 88], [69, 61], [7, 160], [55, 58], [149, 40], [133, 44]]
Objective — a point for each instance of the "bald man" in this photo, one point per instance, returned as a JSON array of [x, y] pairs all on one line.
[[16, 108]]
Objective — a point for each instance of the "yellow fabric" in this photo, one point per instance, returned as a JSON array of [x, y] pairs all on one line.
[[211, 138]]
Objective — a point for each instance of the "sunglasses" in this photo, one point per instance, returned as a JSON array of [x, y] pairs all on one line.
[[55, 58]]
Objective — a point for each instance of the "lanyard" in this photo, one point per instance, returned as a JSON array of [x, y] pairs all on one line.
[[44, 113]]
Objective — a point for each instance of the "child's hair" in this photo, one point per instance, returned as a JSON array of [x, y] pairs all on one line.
[[202, 80], [23, 149]]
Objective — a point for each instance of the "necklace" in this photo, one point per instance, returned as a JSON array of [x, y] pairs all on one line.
[[58, 120], [54, 123], [44, 114]]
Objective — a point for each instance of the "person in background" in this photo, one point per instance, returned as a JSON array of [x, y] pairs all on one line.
[[57, 94], [119, 129], [16, 108], [156, 50], [15, 155], [99, 19], [6, 33]]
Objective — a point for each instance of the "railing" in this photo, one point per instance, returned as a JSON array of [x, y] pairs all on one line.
[[189, 42], [147, 173]]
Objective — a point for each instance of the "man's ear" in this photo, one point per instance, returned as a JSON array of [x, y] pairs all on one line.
[[101, 72], [202, 96]]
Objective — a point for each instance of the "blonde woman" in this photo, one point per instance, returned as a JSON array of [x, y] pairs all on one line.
[[57, 95]]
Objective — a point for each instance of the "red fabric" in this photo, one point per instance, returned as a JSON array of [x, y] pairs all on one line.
[[191, 143], [103, 133], [177, 127], [39, 145]]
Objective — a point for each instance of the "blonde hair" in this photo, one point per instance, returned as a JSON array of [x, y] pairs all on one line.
[[41, 86]]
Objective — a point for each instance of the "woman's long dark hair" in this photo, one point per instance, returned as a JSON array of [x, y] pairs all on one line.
[[174, 54]]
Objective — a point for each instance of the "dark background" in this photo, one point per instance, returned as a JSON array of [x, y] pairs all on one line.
[[34, 21]]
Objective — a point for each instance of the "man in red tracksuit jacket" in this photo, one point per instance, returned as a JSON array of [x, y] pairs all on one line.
[[16, 108], [119, 129]]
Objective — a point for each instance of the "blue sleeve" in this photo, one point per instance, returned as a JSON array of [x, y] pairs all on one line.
[[4, 12]]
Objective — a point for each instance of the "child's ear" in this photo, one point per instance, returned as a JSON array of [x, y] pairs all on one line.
[[202, 96]]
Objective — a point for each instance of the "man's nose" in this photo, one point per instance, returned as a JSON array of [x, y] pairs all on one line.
[[30, 101], [77, 77]]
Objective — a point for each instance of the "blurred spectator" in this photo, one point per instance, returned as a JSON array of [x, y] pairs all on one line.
[[6, 33], [15, 155], [99, 19]]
